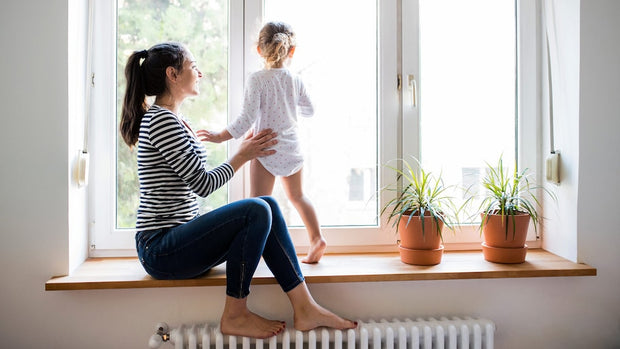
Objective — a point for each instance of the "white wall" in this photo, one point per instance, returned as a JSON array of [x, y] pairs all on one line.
[[599, 121], [572, 312]]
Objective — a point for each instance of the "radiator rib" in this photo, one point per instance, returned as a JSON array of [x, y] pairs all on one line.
[[449, 333]]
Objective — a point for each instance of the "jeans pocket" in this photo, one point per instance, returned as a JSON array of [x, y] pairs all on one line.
[[144, 239], [146, 243]]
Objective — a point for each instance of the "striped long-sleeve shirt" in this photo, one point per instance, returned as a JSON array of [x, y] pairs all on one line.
[[172, 171]]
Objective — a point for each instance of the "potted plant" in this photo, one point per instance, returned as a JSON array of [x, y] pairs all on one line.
[[420, 210], [507, 207]]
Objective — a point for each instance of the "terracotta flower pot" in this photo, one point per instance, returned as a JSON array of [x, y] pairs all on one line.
[[420, 247], [505, 247], [421, 257], [504, 254]]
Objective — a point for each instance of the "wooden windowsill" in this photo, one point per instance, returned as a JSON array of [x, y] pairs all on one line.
[[116, 273]]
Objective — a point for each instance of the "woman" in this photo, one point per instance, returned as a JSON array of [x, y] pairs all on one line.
[[173, 241]]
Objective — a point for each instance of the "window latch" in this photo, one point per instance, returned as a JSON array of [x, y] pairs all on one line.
[[413, 87]]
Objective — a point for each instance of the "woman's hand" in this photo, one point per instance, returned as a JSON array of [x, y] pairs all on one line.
[[254, 146], [214, 137]]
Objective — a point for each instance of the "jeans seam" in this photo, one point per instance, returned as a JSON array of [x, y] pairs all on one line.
[[241, 293], [242, 262], [291, 264]]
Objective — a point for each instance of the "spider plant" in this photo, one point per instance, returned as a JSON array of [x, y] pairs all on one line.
[[509, 194], [421, 194]]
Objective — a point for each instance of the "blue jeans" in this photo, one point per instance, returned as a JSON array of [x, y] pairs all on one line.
[[238, 234]]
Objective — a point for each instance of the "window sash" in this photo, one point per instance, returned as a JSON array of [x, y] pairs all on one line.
[[353, 238]]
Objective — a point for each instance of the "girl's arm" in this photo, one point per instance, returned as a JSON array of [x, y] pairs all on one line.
[[305, 104], [214, 137], [250, 110]]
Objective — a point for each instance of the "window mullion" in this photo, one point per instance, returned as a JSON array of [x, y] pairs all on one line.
[[238, 10], [411, 81]]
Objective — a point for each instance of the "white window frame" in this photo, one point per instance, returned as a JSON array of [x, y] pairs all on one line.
[[397, 56]]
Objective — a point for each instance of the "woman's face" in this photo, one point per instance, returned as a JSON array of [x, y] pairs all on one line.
[[189, 77]]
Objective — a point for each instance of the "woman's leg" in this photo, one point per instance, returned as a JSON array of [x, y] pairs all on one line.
[[279, 254], [235, 233], [236, 318], [309, 315], [261, 180], [294, 190]]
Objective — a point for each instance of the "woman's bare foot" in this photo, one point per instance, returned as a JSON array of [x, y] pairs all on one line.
[[316, 316], [251, 325], [238, 320], [315, 252], [309, 314]]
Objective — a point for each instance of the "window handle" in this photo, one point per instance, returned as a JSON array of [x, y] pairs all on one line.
[[413, 87]]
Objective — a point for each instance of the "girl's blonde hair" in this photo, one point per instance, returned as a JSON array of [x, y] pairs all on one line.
[[275, 40]]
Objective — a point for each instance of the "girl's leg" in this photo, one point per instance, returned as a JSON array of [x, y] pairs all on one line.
[[294, 190], [279, 254], [261, 180]]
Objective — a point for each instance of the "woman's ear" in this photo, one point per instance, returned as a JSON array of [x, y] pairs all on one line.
[[171, 73], [291, 52], [258, 50]]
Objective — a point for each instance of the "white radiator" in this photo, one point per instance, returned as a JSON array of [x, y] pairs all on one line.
[[449, 333]]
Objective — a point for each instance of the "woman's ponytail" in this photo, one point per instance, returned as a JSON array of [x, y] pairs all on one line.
[[146, 79], [134, 103]]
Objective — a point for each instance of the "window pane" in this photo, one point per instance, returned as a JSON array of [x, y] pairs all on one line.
[[202, 25], [467, 112], [337, 60]]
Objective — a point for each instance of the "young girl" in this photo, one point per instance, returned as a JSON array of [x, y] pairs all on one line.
[[273, 98]]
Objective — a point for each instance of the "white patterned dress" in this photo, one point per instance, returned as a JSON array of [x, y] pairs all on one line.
[[273, 98]]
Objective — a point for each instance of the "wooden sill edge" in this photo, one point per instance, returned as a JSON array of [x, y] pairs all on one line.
[[120, 273]]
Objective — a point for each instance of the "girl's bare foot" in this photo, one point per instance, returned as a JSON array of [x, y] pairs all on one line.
[[315, 252], [314, 316], [251, 325]]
